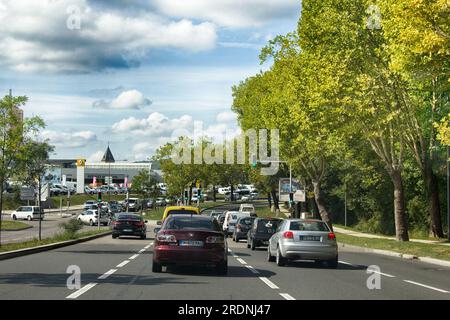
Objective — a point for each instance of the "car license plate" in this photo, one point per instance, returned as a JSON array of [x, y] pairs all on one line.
[[128, 230], [310, 238], [191, 243]]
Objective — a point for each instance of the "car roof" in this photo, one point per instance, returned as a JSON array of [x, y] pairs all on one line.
[[304, 220], [182, 208]]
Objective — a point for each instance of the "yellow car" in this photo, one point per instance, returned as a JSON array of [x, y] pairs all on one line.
[[180, 210]]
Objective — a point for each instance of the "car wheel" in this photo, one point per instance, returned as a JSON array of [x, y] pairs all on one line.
[[144, 236], [29, 218], [270, 258], [333, 263], [156, 267], [114, 236], [91, 223], [253, 246], [222, 269], [281, 261], [234, 238], [14, 217]]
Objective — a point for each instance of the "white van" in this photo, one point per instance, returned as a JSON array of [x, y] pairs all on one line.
[[28, 213], [231, 217], [247, 207]]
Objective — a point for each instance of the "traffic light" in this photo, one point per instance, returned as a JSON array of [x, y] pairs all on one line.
[[254, 161], [99, 197], [199, 193], [186, 194]]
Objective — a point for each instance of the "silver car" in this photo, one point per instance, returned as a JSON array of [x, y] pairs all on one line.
[[297, 239]]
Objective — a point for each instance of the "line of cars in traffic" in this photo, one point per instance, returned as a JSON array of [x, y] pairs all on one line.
[[185, 237]]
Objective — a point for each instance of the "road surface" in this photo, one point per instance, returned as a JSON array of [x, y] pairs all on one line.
[[121, 269]]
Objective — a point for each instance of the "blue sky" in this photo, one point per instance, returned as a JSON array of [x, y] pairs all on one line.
[[134, 71]]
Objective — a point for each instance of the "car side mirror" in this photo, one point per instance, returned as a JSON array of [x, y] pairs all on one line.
[[146, 221], [159, 223], [156, 230]]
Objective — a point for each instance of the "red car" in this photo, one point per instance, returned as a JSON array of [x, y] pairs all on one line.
[[190, 240]]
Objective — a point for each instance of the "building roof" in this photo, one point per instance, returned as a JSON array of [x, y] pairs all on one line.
[[108, 156]]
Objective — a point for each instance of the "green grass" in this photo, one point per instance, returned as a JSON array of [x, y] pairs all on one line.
[[14, 225], [58, 238], [419, 249]]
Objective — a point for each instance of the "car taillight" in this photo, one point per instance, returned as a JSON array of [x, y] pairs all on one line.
[[238, 228], [331, 236], [213, 239], [288, 235], [170, 238]]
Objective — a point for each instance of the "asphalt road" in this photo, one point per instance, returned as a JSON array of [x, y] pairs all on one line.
[[50, 227], [121, 269]]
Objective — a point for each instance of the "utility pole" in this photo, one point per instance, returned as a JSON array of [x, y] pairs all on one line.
[[345, 203]]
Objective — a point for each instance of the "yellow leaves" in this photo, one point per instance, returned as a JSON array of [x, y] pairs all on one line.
[[443, 129]]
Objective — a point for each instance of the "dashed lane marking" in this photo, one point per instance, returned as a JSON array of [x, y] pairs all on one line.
[[124, 263], [426, 286], [287, 296], [269, 283], [107, 274], [79, 292]]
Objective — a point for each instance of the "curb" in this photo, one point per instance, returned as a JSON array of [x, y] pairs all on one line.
[[47, 247], [439, 262], [29, 227]]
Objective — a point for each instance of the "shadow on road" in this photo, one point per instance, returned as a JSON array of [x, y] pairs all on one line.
[[313, 265], [233, 271]]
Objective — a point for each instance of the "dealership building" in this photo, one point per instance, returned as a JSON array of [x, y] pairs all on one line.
[[84, 173]]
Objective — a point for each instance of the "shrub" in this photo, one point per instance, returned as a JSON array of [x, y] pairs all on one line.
[[71, 227]]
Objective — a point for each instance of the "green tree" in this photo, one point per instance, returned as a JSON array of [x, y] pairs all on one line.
[[146, 184]]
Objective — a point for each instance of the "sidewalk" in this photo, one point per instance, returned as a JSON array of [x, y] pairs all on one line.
[[375, 236]]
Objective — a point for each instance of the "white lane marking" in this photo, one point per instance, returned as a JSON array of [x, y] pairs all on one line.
[[269, 283], [347, 263], [79, 292], [133, 257], [425, 286], [382, 273], [287, 296], [142, 250], [107, 274], [252, 269], [241, 261], [120, 265]]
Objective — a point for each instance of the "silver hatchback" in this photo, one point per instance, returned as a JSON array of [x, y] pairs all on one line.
[[303, 239]]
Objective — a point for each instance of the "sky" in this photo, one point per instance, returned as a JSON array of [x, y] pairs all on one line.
[[133, 73]]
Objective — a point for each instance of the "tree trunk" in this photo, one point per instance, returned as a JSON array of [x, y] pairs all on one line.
[[269, 198], [190, 195], [434, 206], [232, 193], [298, 209], [326, 217], [401, 225], [214, 194], [275, 199]]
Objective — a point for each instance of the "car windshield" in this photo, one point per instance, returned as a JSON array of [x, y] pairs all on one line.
[[308, 226], [188, 223]]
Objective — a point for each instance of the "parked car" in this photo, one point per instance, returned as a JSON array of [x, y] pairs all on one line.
[[261, 231], [134, 204], [160, 202], [88, 204], [149, 203], [54, 191], [242, 227], [231, 218], [89, 190], [114, 208], [297, 239], [28, 213], [91, 217], [190, 240], [216, 213], [126, 224], [62, 189], [236, 196]]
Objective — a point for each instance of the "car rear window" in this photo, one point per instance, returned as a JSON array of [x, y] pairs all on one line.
[[308, 226], [129, 217], [189, 223], [267, 226], [246, 221], [181, 212]]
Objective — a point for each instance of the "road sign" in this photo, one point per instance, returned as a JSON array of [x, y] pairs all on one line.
[[27, 193], [198, 184], [299, 196], [81, 162]]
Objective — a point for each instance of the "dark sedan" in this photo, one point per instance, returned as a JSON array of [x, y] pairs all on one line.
[[190, 240], [126, 224], [242, 227], [261, 231]]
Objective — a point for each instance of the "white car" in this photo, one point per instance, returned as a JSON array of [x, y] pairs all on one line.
[[231, 217], [247, 207], [224, 190], [91, 217], [28, 213]]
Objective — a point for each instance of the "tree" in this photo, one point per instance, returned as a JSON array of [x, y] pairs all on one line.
[[13, 139], [146, 184]]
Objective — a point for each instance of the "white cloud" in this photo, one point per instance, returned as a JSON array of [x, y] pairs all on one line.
[[78, 139], [156, 124], [131, 99], [231, 13], [96, 156], [34, 36], [226, 116]]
